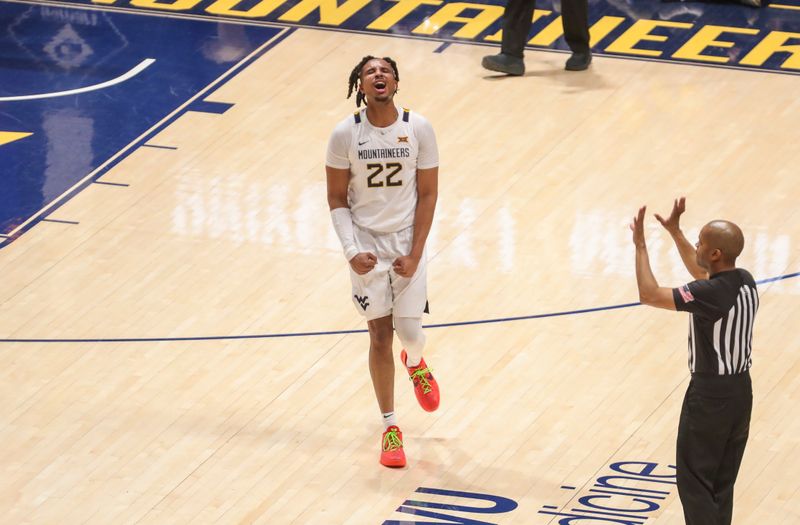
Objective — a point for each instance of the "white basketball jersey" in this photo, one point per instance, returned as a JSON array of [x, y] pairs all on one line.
[[383, 164]]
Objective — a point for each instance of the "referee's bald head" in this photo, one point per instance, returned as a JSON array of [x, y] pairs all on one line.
[[726, 237]]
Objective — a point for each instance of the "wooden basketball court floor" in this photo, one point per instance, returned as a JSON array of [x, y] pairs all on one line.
[[173, 414]]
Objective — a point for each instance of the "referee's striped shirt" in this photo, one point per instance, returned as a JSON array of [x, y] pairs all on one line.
[[723, 310]]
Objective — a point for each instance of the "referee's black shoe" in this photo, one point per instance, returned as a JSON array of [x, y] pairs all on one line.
[[579, 61], [503, 63]]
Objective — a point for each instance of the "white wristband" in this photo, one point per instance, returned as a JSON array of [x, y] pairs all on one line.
[[343, 225]]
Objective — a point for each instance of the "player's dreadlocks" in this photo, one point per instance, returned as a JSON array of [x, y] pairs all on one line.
[[355, 75]]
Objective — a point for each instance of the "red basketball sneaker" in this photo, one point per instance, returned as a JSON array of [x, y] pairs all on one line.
[[425, 386], [392, 454]]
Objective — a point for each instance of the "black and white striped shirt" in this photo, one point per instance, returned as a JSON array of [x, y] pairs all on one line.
[[723, 310]]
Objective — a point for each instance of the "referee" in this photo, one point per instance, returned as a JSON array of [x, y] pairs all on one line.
[[715, 417]]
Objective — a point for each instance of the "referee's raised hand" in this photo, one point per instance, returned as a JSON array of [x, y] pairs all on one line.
[[672, 223], [637, 227]]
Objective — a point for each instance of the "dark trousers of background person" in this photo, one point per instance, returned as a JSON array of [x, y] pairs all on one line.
[[517, 24], [712, 434]]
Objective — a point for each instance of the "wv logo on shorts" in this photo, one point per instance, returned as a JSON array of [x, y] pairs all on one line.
[[363, 301]]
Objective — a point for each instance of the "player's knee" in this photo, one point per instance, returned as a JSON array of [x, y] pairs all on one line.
[[380, 337], [381, 345], [409, 331]]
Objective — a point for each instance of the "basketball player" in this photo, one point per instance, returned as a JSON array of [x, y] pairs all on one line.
[[382, 169], [715, 417]]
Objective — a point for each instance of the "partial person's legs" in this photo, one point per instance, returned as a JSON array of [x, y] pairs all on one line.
[[575, 19], [516, 25], [381, 362], [734, 451], [409, 331], [426, 389], [702, 435], [381, 369], [410, 301], [726, 477]]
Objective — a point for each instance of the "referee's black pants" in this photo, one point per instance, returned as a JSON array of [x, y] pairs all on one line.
[[713, 430], [517, 23]]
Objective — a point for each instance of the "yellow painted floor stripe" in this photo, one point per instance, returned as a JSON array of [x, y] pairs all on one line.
[[11, 136]]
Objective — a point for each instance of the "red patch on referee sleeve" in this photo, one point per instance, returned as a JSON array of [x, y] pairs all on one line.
[[686, 294]]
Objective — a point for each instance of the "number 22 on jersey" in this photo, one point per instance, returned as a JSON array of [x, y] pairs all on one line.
[[381, 173]]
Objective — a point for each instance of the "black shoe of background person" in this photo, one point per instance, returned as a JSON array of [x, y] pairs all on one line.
[[579, 61], [510, 65]]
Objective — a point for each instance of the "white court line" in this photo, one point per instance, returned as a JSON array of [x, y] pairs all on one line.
[[144, 64]]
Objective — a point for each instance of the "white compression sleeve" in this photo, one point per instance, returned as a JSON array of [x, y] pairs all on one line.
[[343, 224], [409, 330]]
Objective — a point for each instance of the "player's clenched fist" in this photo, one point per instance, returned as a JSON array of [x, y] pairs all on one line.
[[405, 266], [363, 262]]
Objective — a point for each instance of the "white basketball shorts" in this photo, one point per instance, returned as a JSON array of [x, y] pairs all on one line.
[[381, 291]]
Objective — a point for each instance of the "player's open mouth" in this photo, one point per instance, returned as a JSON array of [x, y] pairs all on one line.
[[380, 86]]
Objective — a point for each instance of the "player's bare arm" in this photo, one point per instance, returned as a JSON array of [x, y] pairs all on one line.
[[685, 248], [427, 194], [650, 293], [338, 179]]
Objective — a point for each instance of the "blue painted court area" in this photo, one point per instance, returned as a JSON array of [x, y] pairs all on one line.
[[79, 85]]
